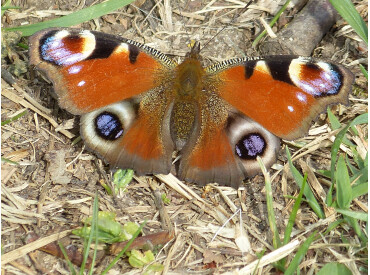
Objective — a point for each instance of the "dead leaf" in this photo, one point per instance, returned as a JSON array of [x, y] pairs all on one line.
[[66, 125], [57, 167], [17, 155], [209, 257]]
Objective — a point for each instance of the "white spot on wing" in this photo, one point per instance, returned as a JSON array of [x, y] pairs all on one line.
[[295, 70], [325, 66], [89, 43], [75, 69], [262, 67], [55, 44], [73, 58], [327, 76], [81, 83], [123, 47], [302, 97], [61, 34], [290, 108], [307, 87]]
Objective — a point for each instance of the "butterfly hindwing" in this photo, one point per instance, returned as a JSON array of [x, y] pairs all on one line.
[[225, 145], [132, 133], [282, 93], [91, 70]]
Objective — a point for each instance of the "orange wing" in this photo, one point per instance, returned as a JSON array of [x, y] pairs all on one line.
[[91, 70], [282, 93], [224, 145], [118, 86], [276, 96], [132, 133]]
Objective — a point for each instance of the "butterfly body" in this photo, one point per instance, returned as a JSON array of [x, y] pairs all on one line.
[[138, 106]]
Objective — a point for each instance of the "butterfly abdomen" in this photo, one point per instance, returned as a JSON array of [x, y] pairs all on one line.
[[187, 93], [183, 118]]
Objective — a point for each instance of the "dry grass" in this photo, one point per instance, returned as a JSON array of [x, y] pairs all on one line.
[[51, 189]]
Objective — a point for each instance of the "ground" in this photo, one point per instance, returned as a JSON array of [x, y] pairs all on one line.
[[51, 190]]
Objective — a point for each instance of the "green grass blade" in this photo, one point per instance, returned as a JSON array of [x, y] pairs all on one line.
[[9, 161], [325, 173], [364, 71], [357, 228], [353, 170], [269, 204], [360, 162], [13, 118], [76, 140], [334, 122], [75, 18], [121, 179], [361, 119], [362, 216], [344, 189], [64, 252], [273, 21], [329, 195], [348, 11], [335, 150], [94, 232], [334, 269], [299, 255], [361, 176], [360, 189], [332, 226], [297, 204], [7, 6], [91, 236], [306, 191]]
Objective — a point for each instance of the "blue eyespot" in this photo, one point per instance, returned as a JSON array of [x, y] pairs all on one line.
[[250, 146], [108, 126]]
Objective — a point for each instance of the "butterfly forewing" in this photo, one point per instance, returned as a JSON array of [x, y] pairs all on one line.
[[91, 70], [282, 93]]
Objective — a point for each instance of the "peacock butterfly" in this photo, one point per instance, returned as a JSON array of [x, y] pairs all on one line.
[[138, 106]]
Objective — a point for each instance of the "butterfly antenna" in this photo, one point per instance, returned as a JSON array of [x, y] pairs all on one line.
[[236, 16]]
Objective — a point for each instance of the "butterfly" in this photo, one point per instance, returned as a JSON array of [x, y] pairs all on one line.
[[138, 106]]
